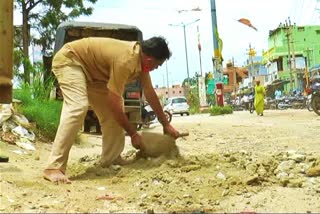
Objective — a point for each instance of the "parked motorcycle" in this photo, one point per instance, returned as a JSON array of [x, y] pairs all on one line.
[[308, 102], [251, 103], [284, 103], [298, 102], [149, 117], [315, 96]]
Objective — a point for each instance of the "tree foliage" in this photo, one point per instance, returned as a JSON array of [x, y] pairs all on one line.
[[43, 18], [193, 80]]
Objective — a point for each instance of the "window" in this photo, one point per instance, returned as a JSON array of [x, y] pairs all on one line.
[[280, 64], [175, 101], [179, 100]]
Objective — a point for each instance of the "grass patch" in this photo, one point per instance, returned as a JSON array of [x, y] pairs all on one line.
[[45, 113], [205, 111], [217, 110]]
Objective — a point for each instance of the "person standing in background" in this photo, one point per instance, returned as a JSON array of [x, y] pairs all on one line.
[[277, 94], [259, 98]]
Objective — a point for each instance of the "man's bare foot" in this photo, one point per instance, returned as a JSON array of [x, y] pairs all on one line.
[[55, 176]]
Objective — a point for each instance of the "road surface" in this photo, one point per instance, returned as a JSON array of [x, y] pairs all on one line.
[[231, 163]]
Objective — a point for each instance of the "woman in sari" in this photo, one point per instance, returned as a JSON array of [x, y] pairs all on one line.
[[259, 98]]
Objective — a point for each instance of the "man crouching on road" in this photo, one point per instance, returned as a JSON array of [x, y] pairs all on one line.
[[94, 71]]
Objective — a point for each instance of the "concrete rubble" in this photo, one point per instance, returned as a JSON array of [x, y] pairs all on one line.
[[15, 128]]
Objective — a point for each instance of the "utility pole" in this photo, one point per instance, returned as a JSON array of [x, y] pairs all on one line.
[[217, 63], [6, 53], [163, 81], [234, 77], [308, 50], [293, 56], [251, 54], [186, 51], [201, 80], [217, 58], [184, 25], [288, 29], [199, 48]]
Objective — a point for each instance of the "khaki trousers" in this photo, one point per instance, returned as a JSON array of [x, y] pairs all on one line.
[[78, 94]]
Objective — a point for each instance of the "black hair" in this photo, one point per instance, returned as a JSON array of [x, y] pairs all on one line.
[[156, 47]]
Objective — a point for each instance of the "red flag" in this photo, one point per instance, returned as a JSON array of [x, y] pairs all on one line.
[[247, 22]]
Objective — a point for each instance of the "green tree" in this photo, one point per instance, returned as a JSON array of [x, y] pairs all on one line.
[[185, 82], [208, 76], [44, 16], [193, 81]]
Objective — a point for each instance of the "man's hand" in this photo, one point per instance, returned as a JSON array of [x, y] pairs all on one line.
[[154, 102], [136, 141], [168, 129]]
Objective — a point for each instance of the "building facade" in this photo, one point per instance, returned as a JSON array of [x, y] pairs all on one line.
[[173, 91], [235, 76], [291, 51]]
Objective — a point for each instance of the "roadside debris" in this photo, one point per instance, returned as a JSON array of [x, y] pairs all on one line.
[[15, 128], [314, 171]]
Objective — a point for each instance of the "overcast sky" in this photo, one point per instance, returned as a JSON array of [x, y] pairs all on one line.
[[156, 17]]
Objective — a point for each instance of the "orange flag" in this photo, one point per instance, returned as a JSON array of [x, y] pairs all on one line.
[[247, 22]]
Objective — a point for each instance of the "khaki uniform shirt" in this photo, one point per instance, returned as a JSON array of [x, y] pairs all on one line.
[[112, 61]]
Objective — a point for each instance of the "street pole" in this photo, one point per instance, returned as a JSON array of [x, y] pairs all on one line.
[[186, 52], [185, 45], [167, 80], [251, 54], [201, 80], [288, 35], [199, 48], [293, 56], [234, 78], [217, 59], [163, 82], [217, 55], [307, 67]]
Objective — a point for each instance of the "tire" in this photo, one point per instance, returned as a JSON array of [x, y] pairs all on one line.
[[168, 116], [251, 108], [281, 106], [308, 104], [315, 103]]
